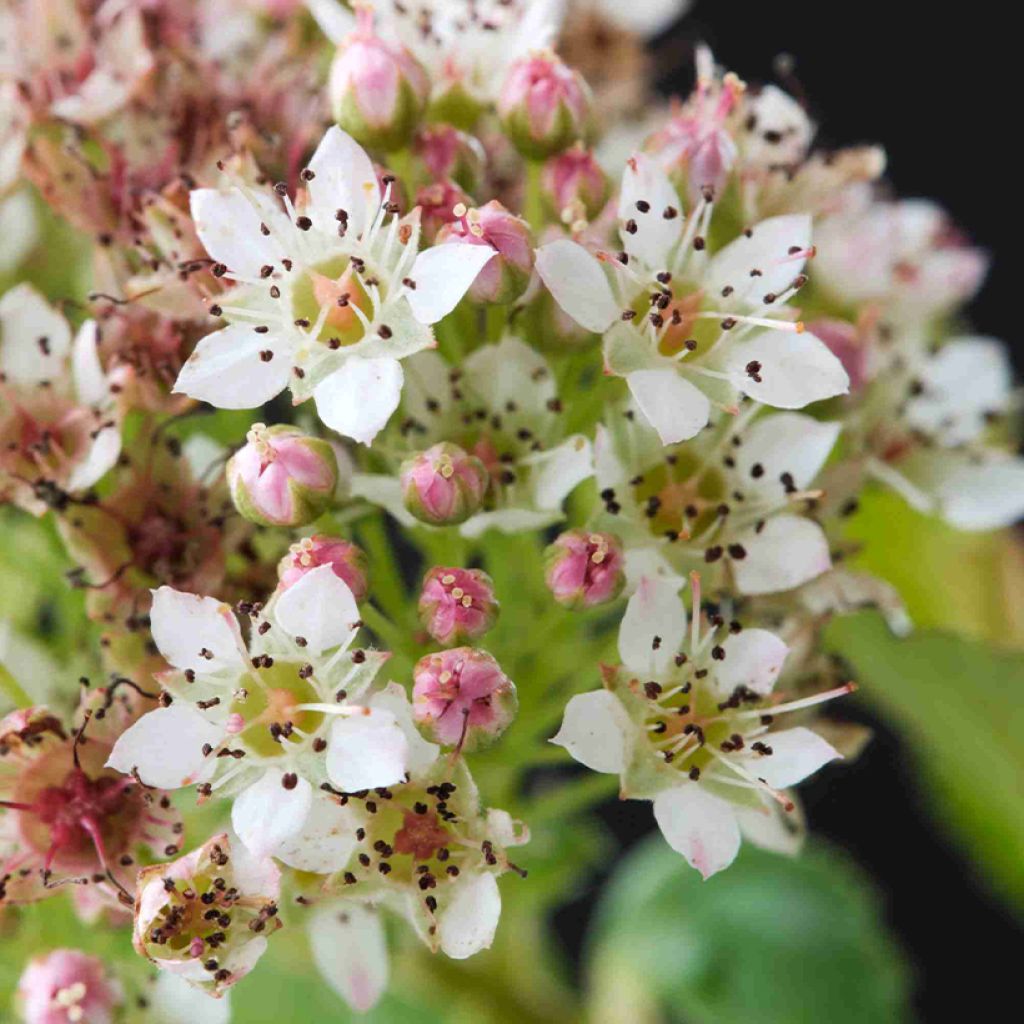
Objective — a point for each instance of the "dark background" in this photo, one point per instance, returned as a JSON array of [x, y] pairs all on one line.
[[939, 92]]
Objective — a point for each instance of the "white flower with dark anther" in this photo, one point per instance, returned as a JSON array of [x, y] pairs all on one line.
[[333, 292], [500, 406], [730, 502], [689, 332], [689, 720], [426, 850], [59, 428], [275, 724]]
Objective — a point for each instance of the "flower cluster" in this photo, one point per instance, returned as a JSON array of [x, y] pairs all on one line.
[[640, 396]]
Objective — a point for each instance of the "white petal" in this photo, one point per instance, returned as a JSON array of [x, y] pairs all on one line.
[[787, 552], [653, 628], [785, 442], [677, 409], [335, 20], [358, 399], [767, 249], [344, 179], [796, 753], [350, 950], [228, 225], [172, 1000], [101, 456], [166, 746], [325, 842], [983, 495], [578, 284], [320, 608], [559, 470], [470, 917], [698, 825], [183, 625], [795, 369], [508, 520], [443, 274], [771, 827], [366, 751], [595, 731], [91, 386], [394, 699], [267, 814], [227, 370], [753, 659], [34, 337], [644, 182]]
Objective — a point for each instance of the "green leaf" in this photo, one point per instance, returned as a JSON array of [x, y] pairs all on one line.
[[959, 703], [771, 940]]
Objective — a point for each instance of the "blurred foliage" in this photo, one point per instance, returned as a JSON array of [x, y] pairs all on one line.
[[772, 940]]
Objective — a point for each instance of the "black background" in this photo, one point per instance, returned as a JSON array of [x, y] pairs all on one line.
[[937, 86]]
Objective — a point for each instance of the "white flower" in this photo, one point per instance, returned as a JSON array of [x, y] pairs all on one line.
[[691, 333], [730, 498], [277, 724], [333, 294], [502, 407], [689, 722]]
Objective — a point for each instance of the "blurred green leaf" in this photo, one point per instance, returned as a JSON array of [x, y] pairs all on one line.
[[960, 704], [771, 940]]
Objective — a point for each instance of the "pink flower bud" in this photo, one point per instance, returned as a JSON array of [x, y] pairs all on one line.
[[544, 105], [846, 344], [346, 559], [462, 698], [585, 569], [437, 205], [451, 155], [506, 276], [377, 88], [65, 987], [457, 605], [574, 185], [282, 477], [443, 485]]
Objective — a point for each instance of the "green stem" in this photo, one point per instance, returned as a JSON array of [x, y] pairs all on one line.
[[533, 202]]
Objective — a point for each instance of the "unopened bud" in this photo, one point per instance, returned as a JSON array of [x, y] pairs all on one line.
[[544, 105], [585, 569], [443, 485], [451, 155], [574, 186], [457, 605], [462, 699], [281, 476], [345, 558]]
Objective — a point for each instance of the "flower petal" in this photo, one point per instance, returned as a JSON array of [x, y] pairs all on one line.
[[350, 950], [652, 628], [91, 386], [557, 471], [320, 608], [34, 337], [796, 753], [647, 233], [698, 825], [578, 283], [677, 409], [366, 751], [595, 731], [228, 224], [393, 698], [268, 813], [228, 370], [172, 1000], [787, 552], [777, 248], [358, 399], [166, 747], [197, 633], [442, 275], [785, 442], [985, 495], [753, 659], [772, 827], [343, 179], [325, 842], [101, 455], [795, 369], [470, 917]]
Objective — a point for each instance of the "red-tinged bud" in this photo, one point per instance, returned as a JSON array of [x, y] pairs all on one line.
[[67, 986], [457, 605], [574, 186], [443, 485], [437, 204], [377, 88], [462, 699], [544, 106], [282, 477], [450, 155], [585, 569], [346, 559]]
